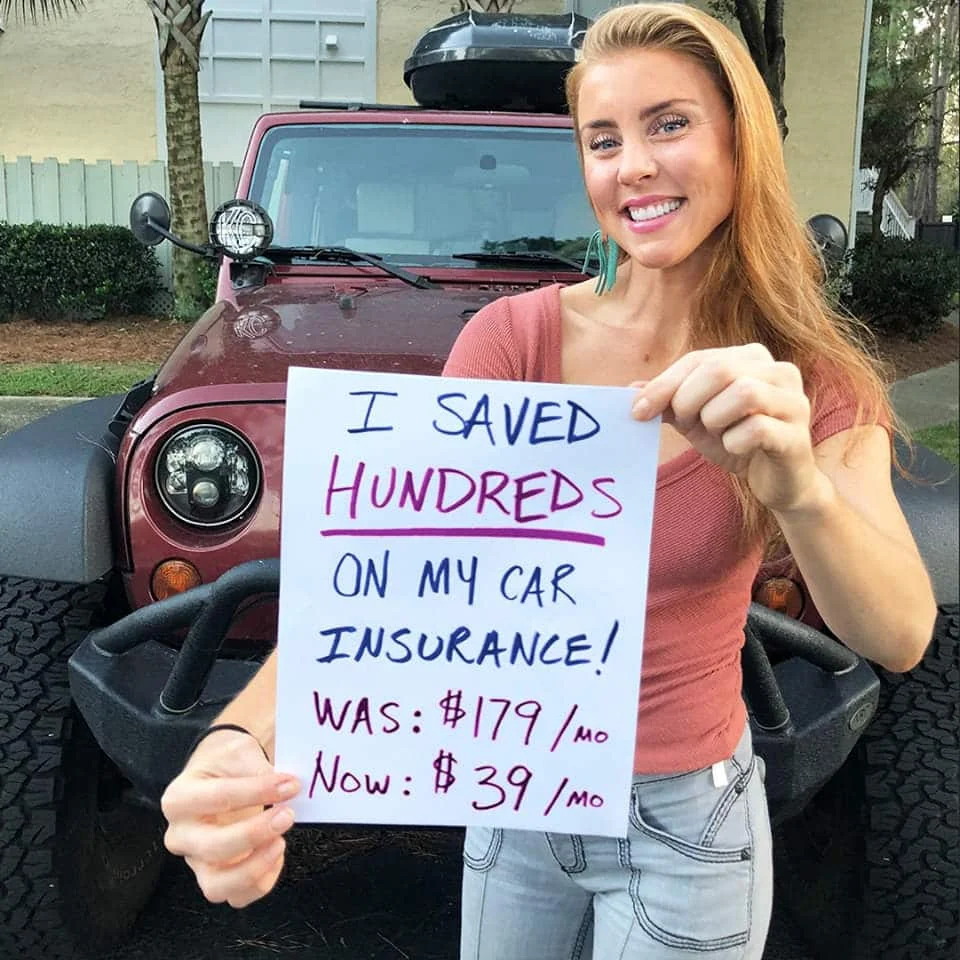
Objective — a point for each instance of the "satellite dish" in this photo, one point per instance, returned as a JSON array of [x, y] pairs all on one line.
[[830, 235]]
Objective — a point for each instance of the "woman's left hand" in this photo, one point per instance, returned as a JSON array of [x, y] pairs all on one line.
[[744, 411]]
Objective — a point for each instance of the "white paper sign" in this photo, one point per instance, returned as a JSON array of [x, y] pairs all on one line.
[[463, 590]]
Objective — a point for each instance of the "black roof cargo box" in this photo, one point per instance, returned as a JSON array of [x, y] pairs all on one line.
[[492, 61]]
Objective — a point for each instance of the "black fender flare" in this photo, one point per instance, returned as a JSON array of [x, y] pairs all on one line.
[[56, 495], [930, 500]]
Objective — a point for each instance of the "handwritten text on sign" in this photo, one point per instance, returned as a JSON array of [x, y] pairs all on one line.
[[463, 587]]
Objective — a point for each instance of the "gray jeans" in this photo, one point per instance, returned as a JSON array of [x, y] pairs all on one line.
[[693, 878]]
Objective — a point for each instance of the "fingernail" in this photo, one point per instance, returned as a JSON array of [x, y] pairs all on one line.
[[641, 407], [288, 788], [282, 820]]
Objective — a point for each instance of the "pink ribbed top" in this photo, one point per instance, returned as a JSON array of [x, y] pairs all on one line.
[[691, 713]]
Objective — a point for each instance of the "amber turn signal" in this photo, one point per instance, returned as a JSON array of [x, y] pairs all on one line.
[[781, 594], [172, 577]]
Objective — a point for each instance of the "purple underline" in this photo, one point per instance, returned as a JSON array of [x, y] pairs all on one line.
[[570, 536]]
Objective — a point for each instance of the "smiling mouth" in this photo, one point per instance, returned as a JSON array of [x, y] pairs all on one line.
[[653, 211]]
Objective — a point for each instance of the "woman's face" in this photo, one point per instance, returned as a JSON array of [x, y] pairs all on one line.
[[657, 142]]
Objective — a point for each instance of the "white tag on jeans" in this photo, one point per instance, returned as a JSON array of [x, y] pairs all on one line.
[[720, 778]]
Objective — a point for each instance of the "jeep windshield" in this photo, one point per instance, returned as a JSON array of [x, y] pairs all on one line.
[[426, 195]]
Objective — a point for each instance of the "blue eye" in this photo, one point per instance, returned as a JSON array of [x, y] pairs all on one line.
[[602, 142], [670, 124]]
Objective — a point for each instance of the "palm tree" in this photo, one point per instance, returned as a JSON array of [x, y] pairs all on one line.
[[486, 6], [180, 25]]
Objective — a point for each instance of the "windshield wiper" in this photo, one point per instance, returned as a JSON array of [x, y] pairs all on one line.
[[348, 255], [522, 256]]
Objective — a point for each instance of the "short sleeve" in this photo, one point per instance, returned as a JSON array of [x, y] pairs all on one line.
[[486, 348], [837, 407]]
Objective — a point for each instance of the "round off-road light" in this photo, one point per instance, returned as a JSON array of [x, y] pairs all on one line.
[[172, 577], [241, 229]]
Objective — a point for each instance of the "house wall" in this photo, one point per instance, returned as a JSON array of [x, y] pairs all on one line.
[[64, 93], [83, 86], [399, 25], [823, 71]]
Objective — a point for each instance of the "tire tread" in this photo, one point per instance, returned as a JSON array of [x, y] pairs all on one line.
[[40, 624]]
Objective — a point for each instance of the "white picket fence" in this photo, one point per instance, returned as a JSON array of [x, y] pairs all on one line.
[[81, 193]]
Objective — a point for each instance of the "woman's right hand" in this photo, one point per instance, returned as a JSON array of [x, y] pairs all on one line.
[[217, 821]]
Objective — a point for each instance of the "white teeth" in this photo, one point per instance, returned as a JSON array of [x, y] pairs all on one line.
[[653, 211]]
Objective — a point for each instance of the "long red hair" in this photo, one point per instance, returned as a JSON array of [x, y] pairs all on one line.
[[765, 281]]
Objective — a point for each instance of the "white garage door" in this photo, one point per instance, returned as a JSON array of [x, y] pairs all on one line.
[[261, 55]]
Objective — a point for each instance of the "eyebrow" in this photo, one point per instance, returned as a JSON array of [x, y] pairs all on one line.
[[644, 114]]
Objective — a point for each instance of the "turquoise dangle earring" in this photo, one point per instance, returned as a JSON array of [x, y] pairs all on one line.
[[607, 252]]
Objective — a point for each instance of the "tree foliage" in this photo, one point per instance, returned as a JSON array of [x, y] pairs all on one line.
[[938, 30], [899, 97], [38, 9]]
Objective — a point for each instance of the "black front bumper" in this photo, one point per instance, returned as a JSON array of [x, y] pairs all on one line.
[[146, 701]]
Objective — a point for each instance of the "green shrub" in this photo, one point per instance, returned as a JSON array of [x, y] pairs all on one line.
[[901, 286], [74, 273], [836, 283], [209, 271]]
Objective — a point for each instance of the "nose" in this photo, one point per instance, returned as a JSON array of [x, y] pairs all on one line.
[[637, 161]]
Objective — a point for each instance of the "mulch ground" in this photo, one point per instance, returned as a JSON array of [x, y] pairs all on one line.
[[906, 357], [121, 340], [136, 339]]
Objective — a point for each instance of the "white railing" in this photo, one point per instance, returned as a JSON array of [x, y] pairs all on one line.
[[896, 221], [81, 193]]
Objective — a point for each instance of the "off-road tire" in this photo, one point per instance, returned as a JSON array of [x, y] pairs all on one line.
[[871, 869], [73, 873]]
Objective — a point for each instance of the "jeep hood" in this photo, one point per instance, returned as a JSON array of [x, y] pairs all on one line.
[[389, 327]]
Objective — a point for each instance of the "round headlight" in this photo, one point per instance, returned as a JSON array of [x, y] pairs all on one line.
[[207, 475], [241, 229]]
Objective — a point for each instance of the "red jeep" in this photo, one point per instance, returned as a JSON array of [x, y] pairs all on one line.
[[138, 534]]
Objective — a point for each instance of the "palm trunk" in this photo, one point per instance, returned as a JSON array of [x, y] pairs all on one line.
[[188, 202], [180, 25]]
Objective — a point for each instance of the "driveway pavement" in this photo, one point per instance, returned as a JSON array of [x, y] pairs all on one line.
[[928, 398], [16, 412]]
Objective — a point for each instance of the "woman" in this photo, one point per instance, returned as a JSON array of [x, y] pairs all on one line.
[[709, 305]]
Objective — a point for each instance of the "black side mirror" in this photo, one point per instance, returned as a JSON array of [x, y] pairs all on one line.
[[150, 224], [147, 212]]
